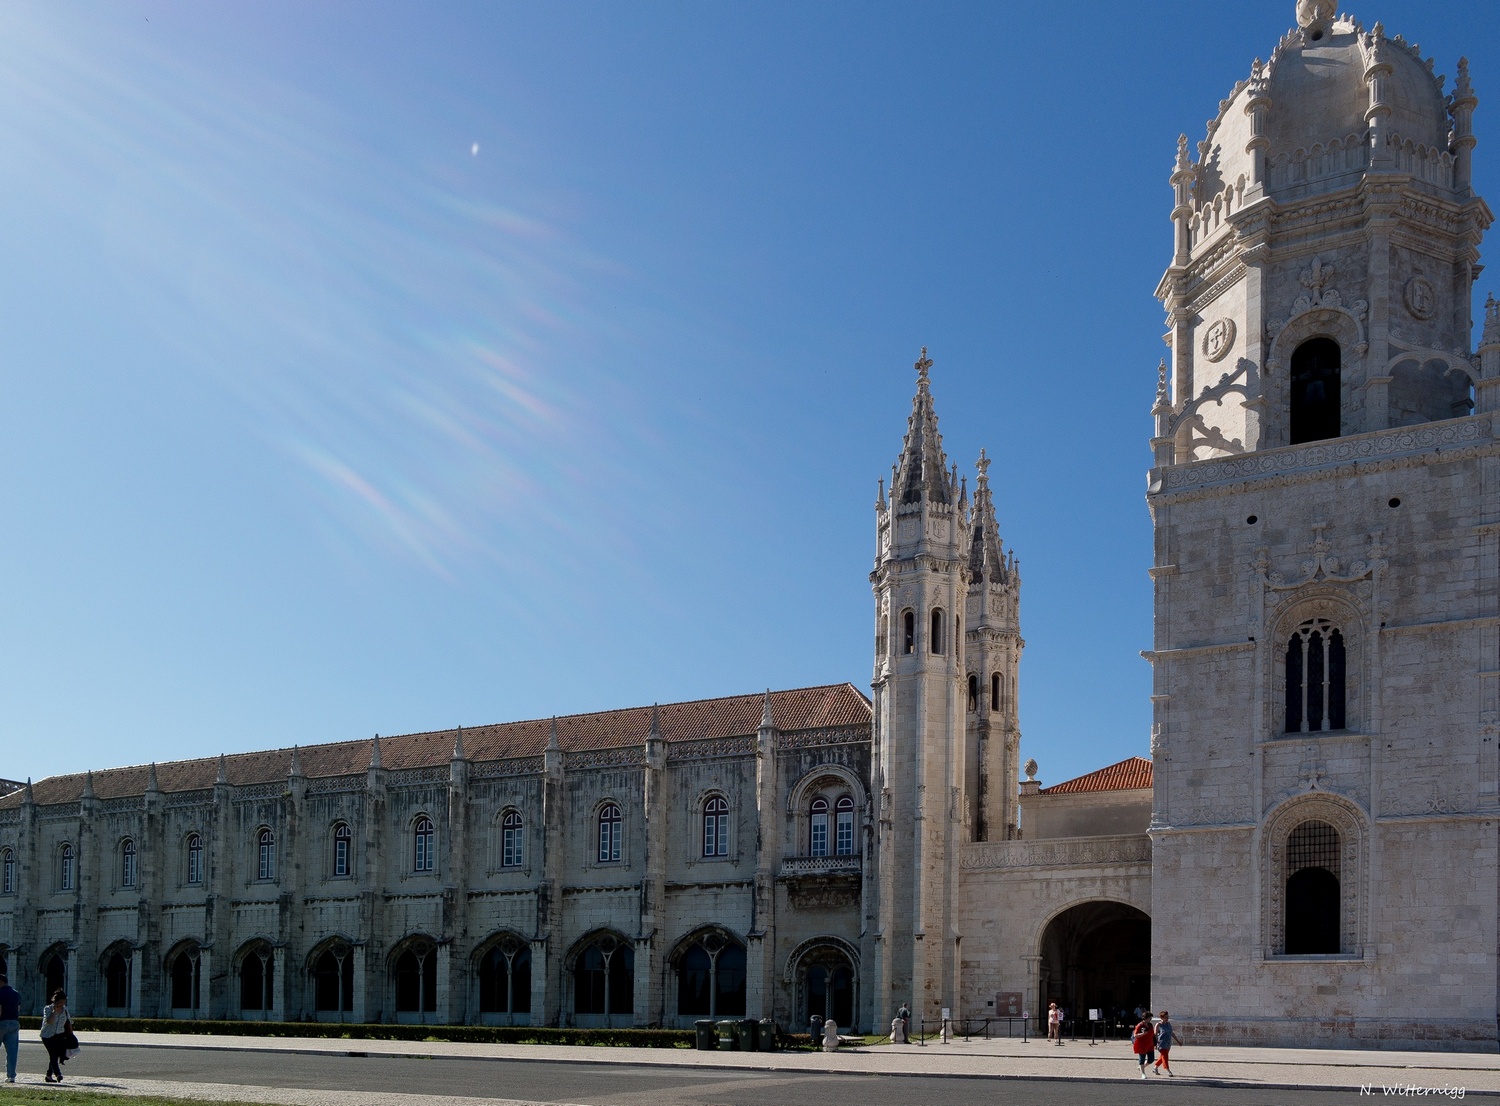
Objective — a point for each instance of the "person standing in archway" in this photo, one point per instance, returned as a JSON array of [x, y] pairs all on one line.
[[1054, 1023], [1143, 1042]]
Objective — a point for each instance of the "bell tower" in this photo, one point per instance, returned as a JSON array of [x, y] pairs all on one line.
[[921, 583], [1326, 504]]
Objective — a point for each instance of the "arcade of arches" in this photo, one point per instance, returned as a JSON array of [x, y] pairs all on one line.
[[1097, 955]]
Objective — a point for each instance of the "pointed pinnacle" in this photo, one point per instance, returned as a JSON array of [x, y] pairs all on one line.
[[375, 752], [296, 768], [655, 721], [223, 776], [458, 745], [88, 784], [765, 714], [151, 778]]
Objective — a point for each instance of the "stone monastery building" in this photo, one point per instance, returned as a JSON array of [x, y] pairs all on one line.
[[1317, 836]]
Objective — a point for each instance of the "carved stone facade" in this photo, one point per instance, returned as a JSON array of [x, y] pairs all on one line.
[[1327, 575]]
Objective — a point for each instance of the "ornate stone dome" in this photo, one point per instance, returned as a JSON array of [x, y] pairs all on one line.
[[1318, 109]]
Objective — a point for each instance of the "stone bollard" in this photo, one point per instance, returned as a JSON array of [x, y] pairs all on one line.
[[898, 1031], [830, 1036]]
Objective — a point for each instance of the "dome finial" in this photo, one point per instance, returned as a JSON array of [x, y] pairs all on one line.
[[1315, 17]]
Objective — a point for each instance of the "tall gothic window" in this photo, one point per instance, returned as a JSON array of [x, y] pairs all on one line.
[[1312, 889], [1315, 678], [611, 827], [424, 838], [937, 630], [194, 858], [117, 982], [604, 978], [843, 842], [973, 693], [127, 863], [7, 872], [265, 855], [416, 979], [1315, 396], [505, 978], [343, 846], [908, 632], [716, 826], [258, 978], [65, 868], [995, 691], [187, 979], [711, 978], [818, 828], [512, 840], [333, 979]]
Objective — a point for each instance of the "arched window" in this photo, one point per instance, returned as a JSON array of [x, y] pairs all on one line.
[[333, 979], [127, 863], [117, 981], [843, 841], [423, 839], [265, 855], [995, 704], [973, 693], [416, 979], [817, 840], [7, 872], [343, 850], [711, 978], [65, 867], [1315, 407], [512, 840], [505, 978], [1315, 678], [194, 858], [187, 979], [611, 834], [937, 630], [257, 978], [604, 978], [1312, 889], [716, 826], [908, 632]]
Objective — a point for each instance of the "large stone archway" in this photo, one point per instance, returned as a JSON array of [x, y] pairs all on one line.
[[1096, 955]]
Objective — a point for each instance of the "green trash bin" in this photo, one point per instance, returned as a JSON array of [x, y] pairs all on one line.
[[729, 1036], [707, 1039], [748, 1028], [765, 1041]]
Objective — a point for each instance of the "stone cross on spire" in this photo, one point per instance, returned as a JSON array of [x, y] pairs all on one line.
[[924, 363], [983, 465]]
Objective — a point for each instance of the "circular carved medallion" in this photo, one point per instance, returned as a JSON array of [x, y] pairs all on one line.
[[1421, 298], [1218, 339]]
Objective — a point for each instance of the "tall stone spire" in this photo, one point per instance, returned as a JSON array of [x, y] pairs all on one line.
[[987, 560], [922, 471]]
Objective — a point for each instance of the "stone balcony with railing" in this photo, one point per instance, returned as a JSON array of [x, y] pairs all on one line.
[[821, 865]]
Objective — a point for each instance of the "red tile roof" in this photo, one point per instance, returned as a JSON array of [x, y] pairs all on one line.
[[805, 708], [1128, 775]]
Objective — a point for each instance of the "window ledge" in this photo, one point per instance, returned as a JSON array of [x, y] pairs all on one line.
[[1317, 957]]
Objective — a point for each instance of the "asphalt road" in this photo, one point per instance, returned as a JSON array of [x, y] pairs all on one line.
[[630, 1085]]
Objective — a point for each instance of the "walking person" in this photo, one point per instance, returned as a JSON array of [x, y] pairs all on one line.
[[1165, 1035], [10, 1025], [56, 1027], [1143, 1042]]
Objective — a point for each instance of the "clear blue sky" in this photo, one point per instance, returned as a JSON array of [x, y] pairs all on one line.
[[371, 367]]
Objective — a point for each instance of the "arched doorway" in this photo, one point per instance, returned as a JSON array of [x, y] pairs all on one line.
[[54, 966], [604, 982], [827, 983], [115, 965], [710, 967], [257, 976], [1096, 956], [503, 969]]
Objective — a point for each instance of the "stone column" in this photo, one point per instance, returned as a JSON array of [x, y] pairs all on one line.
[[221, 857], [547, 983], [651, 933], [277, 1013], [456, 871], [358, 969], [371, 878], [443, 965], [760, 949], [92, 873]]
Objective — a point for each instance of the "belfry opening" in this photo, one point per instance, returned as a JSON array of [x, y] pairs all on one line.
[[1096, 956]]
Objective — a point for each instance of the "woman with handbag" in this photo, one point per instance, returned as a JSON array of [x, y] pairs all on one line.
[[57, 1032]]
